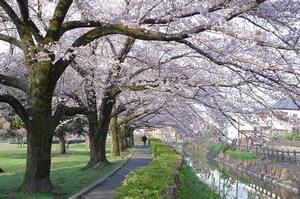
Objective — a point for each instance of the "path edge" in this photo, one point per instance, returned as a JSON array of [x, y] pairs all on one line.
[[98, 182]]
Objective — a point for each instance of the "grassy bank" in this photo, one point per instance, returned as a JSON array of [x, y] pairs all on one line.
[[148, 182], [66, 173], [227, 149], [192, 187]]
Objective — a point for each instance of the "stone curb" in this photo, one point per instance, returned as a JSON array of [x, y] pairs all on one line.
[[98, 182]]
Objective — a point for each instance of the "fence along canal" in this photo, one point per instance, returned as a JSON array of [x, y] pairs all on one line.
[[234, 184]]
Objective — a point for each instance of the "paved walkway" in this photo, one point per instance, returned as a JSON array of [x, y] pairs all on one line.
[[140, 157]]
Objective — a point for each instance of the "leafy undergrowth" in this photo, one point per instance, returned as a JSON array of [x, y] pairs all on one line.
[[227, 149], [192, 187], [241, 154], [66, 173], [148, 182]]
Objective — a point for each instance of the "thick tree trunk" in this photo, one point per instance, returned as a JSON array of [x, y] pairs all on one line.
[[94, 142], [39, 142], [115, 150], [62, 144], [107, 103], [37, 173], [40, 129], [98, 130]]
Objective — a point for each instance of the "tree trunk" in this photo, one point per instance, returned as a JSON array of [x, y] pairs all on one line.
[[62, 143], [94, 142], [39, 129], [130, 137], [115, 150], [37, 173], [98, 129], [122, 138]]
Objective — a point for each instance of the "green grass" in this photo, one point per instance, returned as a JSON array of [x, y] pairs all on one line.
[[217, 148], [192, 187], [66, 174], [240, 154], [148, 182], [292, 136], [225, 148]]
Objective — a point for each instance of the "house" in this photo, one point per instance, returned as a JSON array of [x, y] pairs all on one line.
[[267, 124]]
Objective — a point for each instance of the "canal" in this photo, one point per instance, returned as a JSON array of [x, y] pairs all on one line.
[[231, 183]]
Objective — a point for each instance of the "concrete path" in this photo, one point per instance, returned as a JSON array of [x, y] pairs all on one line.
[[140, 157]]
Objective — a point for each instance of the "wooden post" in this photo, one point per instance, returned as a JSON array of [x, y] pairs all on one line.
[[282, 156], [272, 154], [288, 153], [268, 155], [171, 191], [295, 157], [175, 178], [277, 154]]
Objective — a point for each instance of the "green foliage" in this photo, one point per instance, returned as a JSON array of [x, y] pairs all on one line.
[[227, 149], [16, 122], [217, 148], [240, 154], [292, 136], [192, 187], [148, 182]]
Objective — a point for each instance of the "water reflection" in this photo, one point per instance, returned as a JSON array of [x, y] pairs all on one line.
[[233, 184]]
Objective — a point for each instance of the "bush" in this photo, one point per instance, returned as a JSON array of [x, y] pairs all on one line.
[[240, 154], [292, 136], [192, 187], [227, 149], [149, 181], [217, 148]]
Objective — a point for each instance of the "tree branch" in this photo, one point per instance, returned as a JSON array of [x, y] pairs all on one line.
[[11, 13], [211, 9], [63, 110], [10, 40], [17, 106], [23, 6], [126, 49], [14, 82], [103, 29], [58, 17]]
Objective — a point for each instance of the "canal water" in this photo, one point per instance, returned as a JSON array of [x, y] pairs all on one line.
[[233, 184]]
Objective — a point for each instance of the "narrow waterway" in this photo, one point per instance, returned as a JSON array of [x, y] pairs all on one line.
[[230, 183]]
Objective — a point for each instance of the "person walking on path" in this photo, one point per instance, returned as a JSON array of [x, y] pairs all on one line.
[[144, 139]]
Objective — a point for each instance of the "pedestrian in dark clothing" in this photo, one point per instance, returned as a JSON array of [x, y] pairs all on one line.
[[144, 139]]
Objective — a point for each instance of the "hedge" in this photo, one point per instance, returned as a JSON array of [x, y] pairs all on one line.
[[148, 182]]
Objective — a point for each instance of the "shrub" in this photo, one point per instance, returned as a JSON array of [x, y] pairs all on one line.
[[192, 187], [292, 136], [240, 154], [149, 181], [227, 149], [217, 148]]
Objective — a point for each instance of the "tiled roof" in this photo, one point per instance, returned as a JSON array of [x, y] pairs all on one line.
[[287, 104]]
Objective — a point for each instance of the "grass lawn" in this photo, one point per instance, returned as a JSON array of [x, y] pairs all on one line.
[[66, 174]]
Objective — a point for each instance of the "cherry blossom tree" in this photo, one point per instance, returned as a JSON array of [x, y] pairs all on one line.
[[48, 36]]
